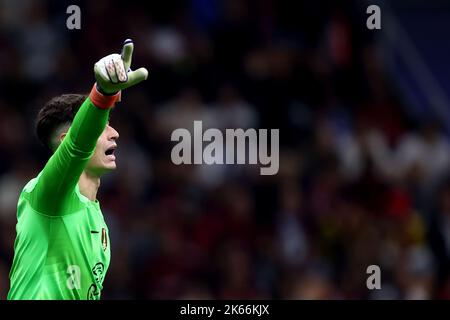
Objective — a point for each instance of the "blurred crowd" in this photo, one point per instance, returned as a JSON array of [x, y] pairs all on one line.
[[360, 183]]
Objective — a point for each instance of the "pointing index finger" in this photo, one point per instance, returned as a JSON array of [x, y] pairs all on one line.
[[127, 52]]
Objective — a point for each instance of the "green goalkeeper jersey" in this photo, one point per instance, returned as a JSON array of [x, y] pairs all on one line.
[[62, 247]]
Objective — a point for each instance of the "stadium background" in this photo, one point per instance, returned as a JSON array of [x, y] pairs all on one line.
[[364, 156]]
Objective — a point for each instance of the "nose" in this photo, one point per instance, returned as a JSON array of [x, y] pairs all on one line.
[[112, 134]]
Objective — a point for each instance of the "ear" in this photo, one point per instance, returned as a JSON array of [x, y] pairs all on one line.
[[61, 137], [58, 139]]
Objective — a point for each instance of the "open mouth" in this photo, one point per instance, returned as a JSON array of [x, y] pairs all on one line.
[[110, 151]]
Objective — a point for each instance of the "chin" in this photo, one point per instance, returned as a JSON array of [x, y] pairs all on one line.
[[110, 167], [107, 167], [109, 163]]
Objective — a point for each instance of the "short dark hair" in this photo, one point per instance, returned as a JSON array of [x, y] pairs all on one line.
[[58, 111]]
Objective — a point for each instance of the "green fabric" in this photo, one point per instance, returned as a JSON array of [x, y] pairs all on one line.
[[62, 248]]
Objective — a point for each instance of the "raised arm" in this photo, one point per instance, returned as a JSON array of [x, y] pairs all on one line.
[[62, 172]]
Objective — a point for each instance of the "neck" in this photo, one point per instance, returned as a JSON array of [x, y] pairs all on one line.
[[89, 185]]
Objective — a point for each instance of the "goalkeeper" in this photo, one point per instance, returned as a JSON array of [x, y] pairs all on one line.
[[62, 248]]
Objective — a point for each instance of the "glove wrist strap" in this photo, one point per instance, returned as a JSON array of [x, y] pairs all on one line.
[[101, 100]]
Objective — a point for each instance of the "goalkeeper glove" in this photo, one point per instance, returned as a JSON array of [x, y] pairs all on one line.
[[113, 72]]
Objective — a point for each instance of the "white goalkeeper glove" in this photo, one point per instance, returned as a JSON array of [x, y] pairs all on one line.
[[113, 72]]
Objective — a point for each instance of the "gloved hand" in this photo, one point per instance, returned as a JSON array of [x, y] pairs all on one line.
[[113, 72]]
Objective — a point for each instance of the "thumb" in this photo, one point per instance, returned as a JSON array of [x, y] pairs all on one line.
[[136, 76]]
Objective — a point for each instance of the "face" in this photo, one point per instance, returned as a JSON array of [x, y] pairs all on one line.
[[104, 160]]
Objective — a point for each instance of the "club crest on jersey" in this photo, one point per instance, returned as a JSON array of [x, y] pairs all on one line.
[[104, 239]]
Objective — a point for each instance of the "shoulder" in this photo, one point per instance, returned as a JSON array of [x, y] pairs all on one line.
[[30, 185], [32, 196]]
